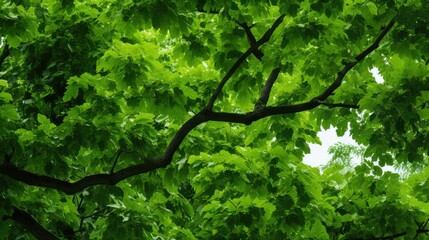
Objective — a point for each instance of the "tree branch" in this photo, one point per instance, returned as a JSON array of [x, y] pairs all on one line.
[[252, 40], [425, 224], [335, 105], [323, 96], [118, 154], [377, 41], [418, 231], [72, 188], [265, 93], [204, 115], [5, 53], [265, 38], [31, 225]]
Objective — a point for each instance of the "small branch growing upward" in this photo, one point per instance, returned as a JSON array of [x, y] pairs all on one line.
[[243, 57], [118, 154], [265, 93]]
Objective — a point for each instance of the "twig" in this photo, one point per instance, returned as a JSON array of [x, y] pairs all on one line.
[[82, 218], [232, 204], [116, 160], [422, 227], [426, 223], [79, 206]]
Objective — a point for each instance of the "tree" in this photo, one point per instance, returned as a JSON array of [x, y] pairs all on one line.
[[189, 119]]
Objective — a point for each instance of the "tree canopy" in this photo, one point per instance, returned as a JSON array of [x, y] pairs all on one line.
[[161, 119]]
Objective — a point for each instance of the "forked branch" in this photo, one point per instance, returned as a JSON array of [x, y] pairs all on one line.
[[265, 38], [204, 115], [252, 40]]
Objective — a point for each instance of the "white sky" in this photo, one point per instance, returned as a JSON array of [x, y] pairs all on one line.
[[319, 153]]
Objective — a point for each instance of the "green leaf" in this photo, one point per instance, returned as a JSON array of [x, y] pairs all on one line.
[[71, 93], [43, 120], [424, 114], [9, 112], [5, 97], [377, 170], [3, 83], [86, 81], [319, 231], [189, 92], [372, 8]]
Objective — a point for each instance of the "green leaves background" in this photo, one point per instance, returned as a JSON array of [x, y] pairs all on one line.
[[93, 87]]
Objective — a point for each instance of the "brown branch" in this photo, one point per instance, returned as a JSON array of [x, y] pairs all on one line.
[[252, 40], [336, 84], [118, 154], [342, 105], [397, 235], [418, 231], [377, 41], [204, 115], [31, 225], [71, 188], [265, 38], [265, 93], [82, 218], [425, 224], [5, 53]]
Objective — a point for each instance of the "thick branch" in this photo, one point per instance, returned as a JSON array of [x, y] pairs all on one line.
[[204, 116], [5, 53], [265, 38], [265, 93], [31, 225], [88, 181], [104, 179]]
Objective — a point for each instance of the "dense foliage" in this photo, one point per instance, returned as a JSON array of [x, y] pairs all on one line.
[[161, 119]]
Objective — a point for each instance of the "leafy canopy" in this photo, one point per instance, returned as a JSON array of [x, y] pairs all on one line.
[[169, 119]]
